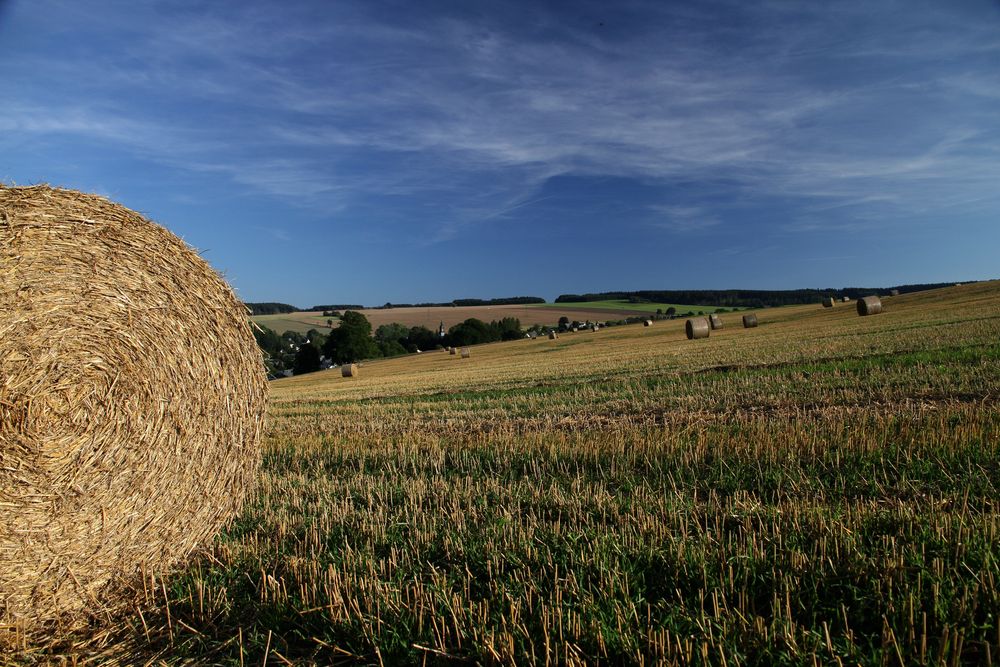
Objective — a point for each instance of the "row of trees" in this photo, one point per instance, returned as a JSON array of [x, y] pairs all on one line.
[[354, 341], [735, 298], [270, 308]]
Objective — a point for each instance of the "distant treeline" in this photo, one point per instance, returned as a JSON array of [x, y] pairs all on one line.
[[460, 303], [738, 298], [336, 306], [270, 308], [274, 308]]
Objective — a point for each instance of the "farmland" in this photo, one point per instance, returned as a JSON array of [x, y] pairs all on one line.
[[628, 306], [298, 321], [820, 490], [433, 316]]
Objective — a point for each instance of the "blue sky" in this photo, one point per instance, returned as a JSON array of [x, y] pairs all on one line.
[[365, 151]]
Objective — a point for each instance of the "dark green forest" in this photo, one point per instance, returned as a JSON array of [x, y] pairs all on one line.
[[741, 298]]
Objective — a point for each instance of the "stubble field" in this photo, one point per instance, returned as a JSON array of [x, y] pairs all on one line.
[[819, 490]]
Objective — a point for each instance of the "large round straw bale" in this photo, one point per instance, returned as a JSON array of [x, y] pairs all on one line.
[[466, 353], [845, 299], [452, 351], [553, 335], [697, 327], [749, 321], [132, 397], [828, 302], [869, 305], [647, 323], [349, 371], [715, 321]]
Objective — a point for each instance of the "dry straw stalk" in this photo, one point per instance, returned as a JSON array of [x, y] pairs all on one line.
[[132, 397]]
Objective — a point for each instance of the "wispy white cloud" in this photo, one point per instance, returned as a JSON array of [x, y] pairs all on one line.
[[683, 219], [842, 107]]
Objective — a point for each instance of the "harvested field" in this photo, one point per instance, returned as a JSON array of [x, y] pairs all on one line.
[[432, 317], [819, 490], [301, 322]]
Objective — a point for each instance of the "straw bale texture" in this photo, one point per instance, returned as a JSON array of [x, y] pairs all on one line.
[[466, 353], [132, 398], [715, 321], [869, 305], [697, 327], [349, 371], [749, 321], [828, 302]]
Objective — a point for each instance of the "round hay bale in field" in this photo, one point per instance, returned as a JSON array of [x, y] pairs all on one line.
[[132, 398], [749, 321], [647, 323], [452, 351], [845, 299], [349, 371], [869, 305], [715, 321], [894, 292], [697, 327], [466, 353], [553, 335], [828, 302]]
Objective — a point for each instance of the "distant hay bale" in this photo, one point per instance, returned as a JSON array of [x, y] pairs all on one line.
[[828, 302], [749, 321], [697, 327], [466, 353], [575, 329], [715, 321], [845, 299], [647, 323], [349, 371], [869, 305], [553, 335], [894, 292], [593, 327], [132, 400]]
